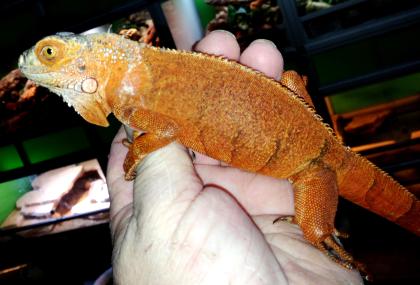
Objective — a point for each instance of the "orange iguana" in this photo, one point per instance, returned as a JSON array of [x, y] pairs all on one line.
[[224, 110]]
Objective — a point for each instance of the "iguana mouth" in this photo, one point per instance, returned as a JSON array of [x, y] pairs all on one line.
[[28, 62], [29, 66]]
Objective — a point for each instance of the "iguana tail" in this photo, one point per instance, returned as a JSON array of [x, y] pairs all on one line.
[[363, 183]]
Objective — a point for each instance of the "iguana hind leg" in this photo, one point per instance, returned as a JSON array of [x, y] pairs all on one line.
[[316, 199]]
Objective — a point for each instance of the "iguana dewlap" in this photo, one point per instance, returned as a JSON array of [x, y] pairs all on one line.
[[224, 110]]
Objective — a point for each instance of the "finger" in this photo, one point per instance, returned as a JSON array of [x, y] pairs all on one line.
[[258, 194], [165, 185], [263, 55], [220, 43], [199, 158], [120, 190], [204, 159]]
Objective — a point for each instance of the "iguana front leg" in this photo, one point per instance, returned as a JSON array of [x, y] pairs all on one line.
[[159, 131], [316, 199]]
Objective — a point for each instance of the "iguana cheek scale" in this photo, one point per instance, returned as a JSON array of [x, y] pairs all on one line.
[[226, 111]]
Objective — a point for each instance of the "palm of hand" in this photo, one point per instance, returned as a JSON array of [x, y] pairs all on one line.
[[205, 223]]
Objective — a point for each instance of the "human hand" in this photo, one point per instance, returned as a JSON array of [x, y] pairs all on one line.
[[202, 222]]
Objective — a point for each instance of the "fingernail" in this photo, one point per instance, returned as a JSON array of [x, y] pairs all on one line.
[[264, 41], [224, 32]]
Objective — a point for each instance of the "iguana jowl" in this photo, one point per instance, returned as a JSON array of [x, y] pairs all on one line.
[[224, 110]]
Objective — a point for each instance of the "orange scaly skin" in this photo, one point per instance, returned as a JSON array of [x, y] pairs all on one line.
[[226, 111]]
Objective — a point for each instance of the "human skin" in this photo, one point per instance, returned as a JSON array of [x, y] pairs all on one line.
[[189, 219]]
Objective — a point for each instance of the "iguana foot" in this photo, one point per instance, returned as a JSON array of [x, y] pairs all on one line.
[[339, 234], [126, 143], [316, 199], [332, 247], [142, 145], [130, 165]]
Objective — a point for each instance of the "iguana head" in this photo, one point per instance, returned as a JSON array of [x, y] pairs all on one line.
[[74, 67]]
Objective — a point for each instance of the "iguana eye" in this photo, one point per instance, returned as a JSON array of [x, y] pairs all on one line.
[[49, 52]]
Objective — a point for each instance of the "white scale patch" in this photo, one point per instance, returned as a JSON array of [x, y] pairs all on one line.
[[89, 85], [128, 89]]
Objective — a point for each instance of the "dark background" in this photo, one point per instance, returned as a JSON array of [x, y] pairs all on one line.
[[336, 51]]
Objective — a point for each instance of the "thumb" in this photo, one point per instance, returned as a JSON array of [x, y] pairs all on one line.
[[165, 175], [165, 184]]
